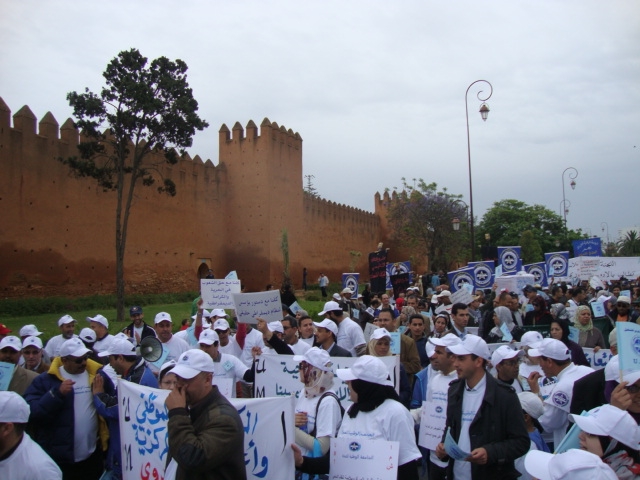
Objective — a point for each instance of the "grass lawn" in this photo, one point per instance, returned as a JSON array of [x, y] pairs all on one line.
[[48, 323]]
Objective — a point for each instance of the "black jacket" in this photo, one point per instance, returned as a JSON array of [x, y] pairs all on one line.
[[588, 392], [498, 427], [147, 331]]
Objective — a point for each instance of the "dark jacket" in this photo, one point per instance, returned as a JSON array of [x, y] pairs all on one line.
[[147, 331], [207, 441], [498, 427], [337, 351], [588, 392]]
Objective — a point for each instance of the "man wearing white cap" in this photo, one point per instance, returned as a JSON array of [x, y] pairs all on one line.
[[100, 325], [444, 299], [205, 431], [346, 302], [435, 406], [228, 343], [350, 335], [573, 464], [484, 417], [29, 331], [123, 359], [32, 355], [67, 326], [62, 408], [326, 335], [555, 361], [225, 365], [506, 361], [10, 350], [20, 457], [170, 343]]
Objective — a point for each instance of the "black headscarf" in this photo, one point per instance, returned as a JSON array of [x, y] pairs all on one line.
[[370, 396]]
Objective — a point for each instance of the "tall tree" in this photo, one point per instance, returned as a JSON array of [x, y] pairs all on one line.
[[145, 112], [629, 245], [531, 251], [421, 218]]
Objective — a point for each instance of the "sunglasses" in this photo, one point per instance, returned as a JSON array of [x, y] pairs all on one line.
[[80, 360], [633, 388]]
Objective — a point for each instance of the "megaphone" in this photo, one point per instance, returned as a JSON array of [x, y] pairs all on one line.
[[150, 349]]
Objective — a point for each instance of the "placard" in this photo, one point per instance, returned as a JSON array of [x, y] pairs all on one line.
[[597, 360], [217, 293], [462, 296], [226, 385], [250, 306], [6, 373], [598, 309], [363, 459], [395, 342]]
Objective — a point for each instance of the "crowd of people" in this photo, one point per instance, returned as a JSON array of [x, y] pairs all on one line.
[[461, 409]]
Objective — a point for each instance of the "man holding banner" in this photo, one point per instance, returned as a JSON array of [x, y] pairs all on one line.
[[206, 436]]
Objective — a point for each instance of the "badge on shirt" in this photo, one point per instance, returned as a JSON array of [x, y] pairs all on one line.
[[561, 399], [227, 365]]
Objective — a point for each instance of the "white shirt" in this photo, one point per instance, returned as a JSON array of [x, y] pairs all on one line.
[[471, 402], [231, 348], [176, 347], [329, 417], [350, 335], [435, 409], [556, 406], [104, 343], [308, 340], [391, 421], [53, 345], [300, 347], [253, 339], [229, 367], [85, 426], [28, 462]]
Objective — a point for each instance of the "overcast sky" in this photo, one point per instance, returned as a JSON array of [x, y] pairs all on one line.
[[377, 89]]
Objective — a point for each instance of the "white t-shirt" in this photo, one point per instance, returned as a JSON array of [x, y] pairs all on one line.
[[471, 402], [329, 417], [103, 344], [391, 421], [176, 347], [28, 462], [229, 367], [350, 335], [435, 409], [53, 345], [308, 340], [85, 426], [300, 347], [231, 348], [253, 339]]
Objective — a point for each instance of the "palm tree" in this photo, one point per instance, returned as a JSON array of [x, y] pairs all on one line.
[[629, 246]]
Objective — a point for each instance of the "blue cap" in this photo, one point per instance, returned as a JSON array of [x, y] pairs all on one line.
[[135, 310]]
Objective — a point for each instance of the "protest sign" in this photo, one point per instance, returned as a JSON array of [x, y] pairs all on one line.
[[361, 458], [539, 272], [279, 375], [462, 296], [452, 448], [6, 373], [395, 342], [250, 306], [598, 309], [217, 293], [590, 247], [369, 329], [350, 281], [459, 278], [397, 268], [514, 283], [628, 334], [268, 425], [599, 359], [378, 271], [557, 264], [399, 283], [483, 273], [509, 259], [605, 268], [226, 385]]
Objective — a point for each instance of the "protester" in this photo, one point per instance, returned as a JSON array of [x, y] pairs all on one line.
[[138, 329], [416, 331], [10, 352], [590, 336], [32, 354], [532, 409], [440, 325], [539, 315], [63, 412], [67, 325], [501, 316], [228, 343], [174, 346], [459, 320], [380, 346], [350, 335], [206, 436], [506, 361], [20, 457], [409, 356], [305, 327], [166, 379], [326, 335], [571, 465], [559, 330], [290, 327], [225, 365]]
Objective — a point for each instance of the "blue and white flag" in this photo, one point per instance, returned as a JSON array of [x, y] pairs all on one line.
[[539, 272], [483, 273], [509, 258], [458, 278], [590, 247], [397, 269], [350, 280], [628, 345], [557, 264]]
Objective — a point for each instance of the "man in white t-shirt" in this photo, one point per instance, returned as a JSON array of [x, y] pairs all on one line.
[[506, 361], [225, 365], [100, 325], [20, 457], [350, 335], [172, 345], [290, 327], [67, 326], [228, 343], [555, 361], [138, 329]]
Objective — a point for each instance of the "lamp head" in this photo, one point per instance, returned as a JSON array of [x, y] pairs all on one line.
[[484, 111]]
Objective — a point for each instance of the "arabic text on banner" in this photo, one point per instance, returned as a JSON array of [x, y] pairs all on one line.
[[217, 293], [250, 306], [358, 458]]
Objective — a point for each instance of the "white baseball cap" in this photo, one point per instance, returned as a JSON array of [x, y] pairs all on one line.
[[329, 307], [209, 337], [430, 348], [444, 293], [447, 340], [347, 290], [529, 339], [551, 348], [624, 299], [367, 368], [612, 369], [336, 296], [73, 348], [472, 344], [531, 403], [162, 317], [275, 327], [317, 357], [379, 333], [610, 421], [218, 312], [29, 331], [99, 319], [119, 346], [11, 342], [329, 325], [32, 342], [573, 464], [504, 352], [121, 335], [191, 363], [65, 319], [630, 376], [88, 335], [13, 408], [221, 324]]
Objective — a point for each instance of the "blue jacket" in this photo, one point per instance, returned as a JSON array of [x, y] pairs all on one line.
[[107, 406], [52, 415]]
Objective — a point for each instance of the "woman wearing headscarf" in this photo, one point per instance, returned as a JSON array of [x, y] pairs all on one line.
[[590, 336], [380, 346], [501, 316], [440, 325], [559, 329], [376, 413], [539, 315]]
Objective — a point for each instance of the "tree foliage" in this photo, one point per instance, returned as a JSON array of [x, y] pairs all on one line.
[[144, 115], [421, 218], [531, 251], [629, 245], [507, 220]]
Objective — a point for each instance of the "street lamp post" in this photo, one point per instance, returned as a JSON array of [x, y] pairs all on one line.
[[572, 177], [605, 224], [484, 112]]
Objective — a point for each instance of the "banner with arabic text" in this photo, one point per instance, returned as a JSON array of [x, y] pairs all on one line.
[[590, 247], [378, 271], [398, 268]]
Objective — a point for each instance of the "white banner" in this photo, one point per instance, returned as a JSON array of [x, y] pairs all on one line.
[[279, 375], [217, 293], [606, 268], [359, 458], [599, 359], [515, 283], [268, 432], [265, 305]]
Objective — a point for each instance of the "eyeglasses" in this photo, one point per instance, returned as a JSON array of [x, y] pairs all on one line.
[[633, 388], [513, 362], [80, 360], [624, 305]]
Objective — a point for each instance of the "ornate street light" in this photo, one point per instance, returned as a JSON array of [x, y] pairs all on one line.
[[572, 176]]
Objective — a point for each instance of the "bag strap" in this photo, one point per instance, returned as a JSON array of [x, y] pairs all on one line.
[[325, 394]]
